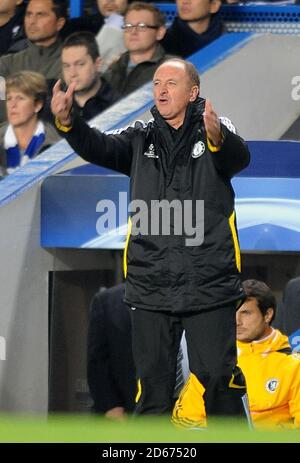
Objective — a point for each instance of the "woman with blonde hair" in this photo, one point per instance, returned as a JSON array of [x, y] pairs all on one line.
[[25, 135]]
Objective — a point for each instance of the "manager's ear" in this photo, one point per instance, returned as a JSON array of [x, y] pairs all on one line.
[[194, 92]]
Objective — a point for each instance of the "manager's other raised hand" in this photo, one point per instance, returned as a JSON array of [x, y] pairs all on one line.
[[212, 124]]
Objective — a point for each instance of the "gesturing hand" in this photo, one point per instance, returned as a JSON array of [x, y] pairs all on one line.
[[212, 124], [61, 103]]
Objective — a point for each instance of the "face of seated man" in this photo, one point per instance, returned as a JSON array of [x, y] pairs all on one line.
[[8, 7], [142, 41], [108, 7], [79, 67], [251, 324], [192, 10], [41, 23]]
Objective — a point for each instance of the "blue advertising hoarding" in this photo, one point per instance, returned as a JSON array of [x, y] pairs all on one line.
[[267, 203]]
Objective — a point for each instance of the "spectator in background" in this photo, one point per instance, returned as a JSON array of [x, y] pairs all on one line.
[[25, 135], [288, 317], [11, 25], [81, 63], [43, 21], [110, 366], [272, 372], [91, 20], [110, 38], [144, 27], [198, 24]]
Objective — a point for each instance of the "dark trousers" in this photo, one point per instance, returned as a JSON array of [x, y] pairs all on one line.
[[211, 345]]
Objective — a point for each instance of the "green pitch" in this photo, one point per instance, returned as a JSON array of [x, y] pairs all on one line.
[[85, 428]]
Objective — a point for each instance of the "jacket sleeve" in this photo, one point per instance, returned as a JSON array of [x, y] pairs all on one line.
[[102, 385], [294, 402], [113, 151], [233, 156], [5, 65]]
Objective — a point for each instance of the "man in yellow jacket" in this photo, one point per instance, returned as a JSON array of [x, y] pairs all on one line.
[[271, 369]]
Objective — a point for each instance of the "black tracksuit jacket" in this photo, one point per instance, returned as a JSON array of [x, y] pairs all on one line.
[[163, 273]]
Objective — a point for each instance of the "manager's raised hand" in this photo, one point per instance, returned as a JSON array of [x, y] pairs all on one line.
[[61, 103], [212, 124]]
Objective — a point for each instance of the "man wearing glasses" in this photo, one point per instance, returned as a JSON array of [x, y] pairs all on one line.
[[144, 27]]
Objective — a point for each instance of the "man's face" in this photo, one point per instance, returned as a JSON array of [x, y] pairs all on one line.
[[78, 66], [9, 6], [107, 7], [251, 324], [41, 23], [189, 10], [173, 91], [141, 40]]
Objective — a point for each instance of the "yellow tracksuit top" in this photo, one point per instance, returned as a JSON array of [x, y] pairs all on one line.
[[273, 381], [273, 386]]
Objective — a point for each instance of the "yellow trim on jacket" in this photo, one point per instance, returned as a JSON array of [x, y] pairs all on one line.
[[235, 241], [139, 391], [126, 248]]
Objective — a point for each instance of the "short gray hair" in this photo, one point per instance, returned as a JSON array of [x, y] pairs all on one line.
[[189, 68]]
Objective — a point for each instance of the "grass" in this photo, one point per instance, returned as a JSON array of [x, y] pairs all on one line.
[[90, 429]]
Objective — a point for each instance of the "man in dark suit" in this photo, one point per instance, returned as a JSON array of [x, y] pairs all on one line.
[[110, 367], [288, 317]]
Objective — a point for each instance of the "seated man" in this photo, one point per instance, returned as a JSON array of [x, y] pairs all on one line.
[[81, 63], [272, 372], [288, 318], [197, 25], [110, 367], [43, 21], [144, 27], [110, 38]]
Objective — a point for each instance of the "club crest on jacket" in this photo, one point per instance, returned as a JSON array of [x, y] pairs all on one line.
[[150, 153], [198, 150], [272, 384]]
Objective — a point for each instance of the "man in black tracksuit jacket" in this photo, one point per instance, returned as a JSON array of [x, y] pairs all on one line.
[[175, 282]]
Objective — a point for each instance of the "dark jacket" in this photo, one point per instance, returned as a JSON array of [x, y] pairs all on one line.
[[91, 23], [123, 82], [12, 33], [181, 40], [288, 313], [45, 60], [110, 367], [163, 272], [96, 104]]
